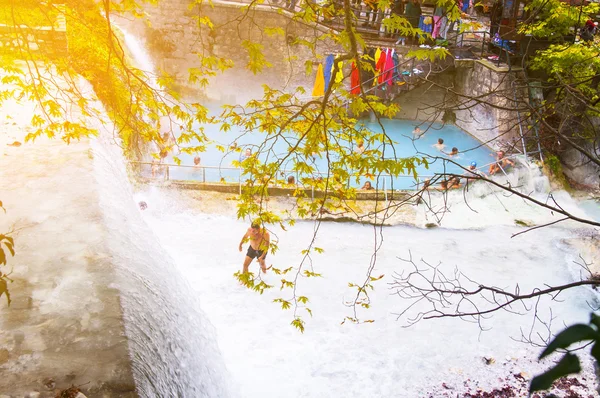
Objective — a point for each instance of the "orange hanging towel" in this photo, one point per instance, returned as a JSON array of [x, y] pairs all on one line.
[[319, 88]]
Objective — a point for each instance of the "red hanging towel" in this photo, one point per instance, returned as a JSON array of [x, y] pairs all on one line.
[[381, 65], [354, 80], [389, 67]]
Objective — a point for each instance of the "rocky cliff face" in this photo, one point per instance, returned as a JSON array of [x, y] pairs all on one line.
[[579, 169], [486, 120]]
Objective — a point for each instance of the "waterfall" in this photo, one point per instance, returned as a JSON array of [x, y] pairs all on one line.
[[171, 341], [172, 344]]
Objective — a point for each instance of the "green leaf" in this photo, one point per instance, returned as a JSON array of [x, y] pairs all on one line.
[[298, 324], [568, 364], [572, 334], [285, 305]]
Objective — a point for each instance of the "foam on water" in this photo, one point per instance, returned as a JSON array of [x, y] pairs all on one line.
[[484, 204], [267, 357]]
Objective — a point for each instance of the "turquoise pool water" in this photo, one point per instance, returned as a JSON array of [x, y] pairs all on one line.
[[592, 208], [401, 131]]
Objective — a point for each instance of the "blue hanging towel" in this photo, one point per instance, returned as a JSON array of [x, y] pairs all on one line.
[[327, 71], [396, 77]]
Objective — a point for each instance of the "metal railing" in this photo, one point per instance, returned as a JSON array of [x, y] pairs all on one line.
[[385, 180]]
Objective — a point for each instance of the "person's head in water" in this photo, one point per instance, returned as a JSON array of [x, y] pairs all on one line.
[[197, 160], [143, 205], [440, 141], [454, 151], [360, 146], [473, 165]]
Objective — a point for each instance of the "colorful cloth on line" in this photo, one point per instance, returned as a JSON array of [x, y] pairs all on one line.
[[319, 87], [381, 66], [389, 67], [354, 80], [339, 76], [427, 28], [375, 62], [328, 69]]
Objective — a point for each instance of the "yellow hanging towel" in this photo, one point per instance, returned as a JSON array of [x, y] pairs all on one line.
[[319, 88], [377, 55], [339, 76]]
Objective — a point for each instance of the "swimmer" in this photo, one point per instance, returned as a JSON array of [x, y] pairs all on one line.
[[360, 146], [259, 245], [440, 144], [454, 182], [454, 151], [501, 163], [472, 173], [247, 153], [367, 186]]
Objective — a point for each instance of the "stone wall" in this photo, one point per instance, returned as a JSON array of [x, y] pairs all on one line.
[[579, 168], [175, 42], [492, 85]]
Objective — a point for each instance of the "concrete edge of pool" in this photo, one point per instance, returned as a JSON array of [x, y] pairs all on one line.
[[234, 188]]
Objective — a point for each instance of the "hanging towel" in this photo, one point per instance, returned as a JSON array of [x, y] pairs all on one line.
[[328, 69], [375, 61], [381, 66], [354, 80], [339, 76], [319, 88], [397, 73], [389, 67]]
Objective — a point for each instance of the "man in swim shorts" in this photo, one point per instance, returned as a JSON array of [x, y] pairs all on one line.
[[259, 246]]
